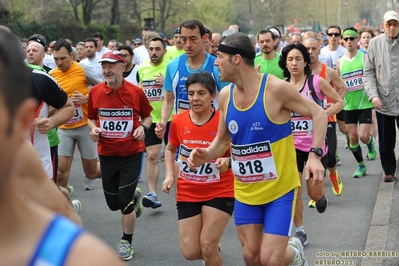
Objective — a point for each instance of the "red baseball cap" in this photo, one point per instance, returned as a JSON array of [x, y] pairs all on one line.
[[112, 57]]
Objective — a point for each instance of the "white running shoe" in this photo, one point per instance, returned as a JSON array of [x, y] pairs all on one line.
[[77, 205], [88, 184]]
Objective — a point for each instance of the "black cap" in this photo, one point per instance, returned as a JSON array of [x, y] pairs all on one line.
[[37, 39], [176, 31]]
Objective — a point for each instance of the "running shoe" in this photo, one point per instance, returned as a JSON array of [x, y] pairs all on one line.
[[321, 204], [161, 157], [372, 153], [77, 205], [88, 184], [299, 259], [312, 204], [337, 158], [137, 204], [303, 237], [360, 172], [389, 178], [70, 190], [125, 251], [337, 185], [151, 201]]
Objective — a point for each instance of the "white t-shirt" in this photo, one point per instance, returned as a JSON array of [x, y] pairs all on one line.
[[140, 55], [95, 64], [335, 55]]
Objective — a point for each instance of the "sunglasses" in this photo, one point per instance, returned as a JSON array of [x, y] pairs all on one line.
[[137, 44], [349, 38], [336, 34]]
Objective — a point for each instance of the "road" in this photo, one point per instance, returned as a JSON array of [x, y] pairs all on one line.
[[337, 234]]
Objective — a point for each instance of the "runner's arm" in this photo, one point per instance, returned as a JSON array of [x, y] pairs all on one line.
[[35, 185], [327, 90], [337, 82]]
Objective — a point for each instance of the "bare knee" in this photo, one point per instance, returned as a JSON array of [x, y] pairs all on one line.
[[191, 253], [251, 257], [208, 248]]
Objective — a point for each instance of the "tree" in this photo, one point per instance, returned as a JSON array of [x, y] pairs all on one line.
[[115, 14], [87, 9]]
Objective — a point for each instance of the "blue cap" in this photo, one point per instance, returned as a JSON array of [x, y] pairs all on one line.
[[324, 38]]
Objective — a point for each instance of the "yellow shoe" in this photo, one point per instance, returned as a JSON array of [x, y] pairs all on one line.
[[336, 184], [312, 204]]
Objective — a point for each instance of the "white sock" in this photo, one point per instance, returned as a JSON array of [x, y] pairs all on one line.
[[300, 229]]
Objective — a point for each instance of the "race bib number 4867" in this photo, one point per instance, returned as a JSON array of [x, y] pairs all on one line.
[[116, 123]]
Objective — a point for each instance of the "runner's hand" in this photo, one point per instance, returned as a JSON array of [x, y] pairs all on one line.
[[222, 164], [42, 124], [78, 98], [160, 130], [314, 168], [167, 184], [197, 158], [95, 134]]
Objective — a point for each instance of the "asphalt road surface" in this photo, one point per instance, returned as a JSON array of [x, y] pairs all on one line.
[[334, 236]]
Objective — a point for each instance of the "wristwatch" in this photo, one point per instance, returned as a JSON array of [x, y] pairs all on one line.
[[318, 151]]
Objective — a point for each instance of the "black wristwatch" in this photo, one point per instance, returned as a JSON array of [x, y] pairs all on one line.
[[145, 128], [229, 167], [318, 151]]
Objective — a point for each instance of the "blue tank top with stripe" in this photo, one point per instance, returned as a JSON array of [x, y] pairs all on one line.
[[56, 243], [262, 150]]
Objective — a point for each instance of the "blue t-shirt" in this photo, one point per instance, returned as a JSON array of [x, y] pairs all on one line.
[[177, 72]]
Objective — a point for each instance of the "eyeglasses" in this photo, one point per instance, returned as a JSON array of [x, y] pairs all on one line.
[[137, 44], [349, 38], [335, 34], [124, 55]]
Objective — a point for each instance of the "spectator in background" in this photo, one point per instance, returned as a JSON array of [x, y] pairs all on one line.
[[296, 38], [365, 34], [380, 82], [216, 37], [92, 59], [80, 47], [130, 71], [48, 59], [141, 53], [177, 46], [100, 44], [113, 45], [24, 44], [207, 42], [137, 43], [128, 42]]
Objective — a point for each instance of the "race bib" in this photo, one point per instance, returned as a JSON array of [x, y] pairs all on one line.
[[253, 162], [78, 116], [182, 105], [153, 91], [300, 125], [353, 80], [205, 173], [116, 122]]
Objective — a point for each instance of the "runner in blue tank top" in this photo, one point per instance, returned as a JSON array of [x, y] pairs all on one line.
[[194, 59], [255, 121]]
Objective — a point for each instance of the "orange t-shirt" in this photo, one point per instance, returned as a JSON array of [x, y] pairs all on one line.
[[207, 183], [74, 79], [323, 74]]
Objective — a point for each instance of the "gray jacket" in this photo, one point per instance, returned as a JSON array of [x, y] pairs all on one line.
[[381, 73]]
